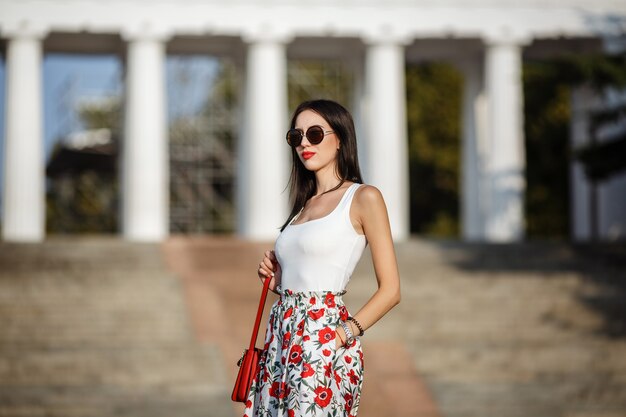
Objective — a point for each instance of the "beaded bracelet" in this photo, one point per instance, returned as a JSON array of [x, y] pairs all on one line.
[[358, 325]]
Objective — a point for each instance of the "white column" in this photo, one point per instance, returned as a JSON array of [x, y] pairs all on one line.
[[23, 212], [263, 152], [581, 195], [472, 151], [387, 147], [145, 156], [506, 158]]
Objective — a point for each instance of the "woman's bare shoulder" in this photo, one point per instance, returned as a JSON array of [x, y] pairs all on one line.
[[370, 202], [368, 194], [370, 210]]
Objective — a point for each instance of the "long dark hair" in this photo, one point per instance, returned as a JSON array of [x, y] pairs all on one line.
[[302, 181]]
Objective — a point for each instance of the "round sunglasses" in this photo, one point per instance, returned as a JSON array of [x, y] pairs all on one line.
[[314, 134]]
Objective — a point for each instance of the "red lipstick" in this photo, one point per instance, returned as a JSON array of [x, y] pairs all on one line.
[[307, 155]]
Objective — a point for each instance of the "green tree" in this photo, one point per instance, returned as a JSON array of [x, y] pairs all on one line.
[[546, 131], [319, 79], [84, 199], [433, 114], [547, 88]]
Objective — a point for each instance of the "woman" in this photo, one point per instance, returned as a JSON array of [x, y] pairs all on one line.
[[312, 364]]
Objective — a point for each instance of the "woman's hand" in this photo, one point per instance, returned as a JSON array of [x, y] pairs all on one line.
[[340, 337], [269, 266]]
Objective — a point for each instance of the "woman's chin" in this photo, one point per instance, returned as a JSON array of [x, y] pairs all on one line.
[[311, 166]]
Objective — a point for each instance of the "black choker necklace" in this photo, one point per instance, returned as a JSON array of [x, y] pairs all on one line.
[[334, 188]]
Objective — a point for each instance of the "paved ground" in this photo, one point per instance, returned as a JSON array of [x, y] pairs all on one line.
[[102, 327]]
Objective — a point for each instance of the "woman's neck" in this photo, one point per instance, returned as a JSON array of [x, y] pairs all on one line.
[[327, 186]]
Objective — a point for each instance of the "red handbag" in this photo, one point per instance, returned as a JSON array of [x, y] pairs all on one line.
[[249, 362]]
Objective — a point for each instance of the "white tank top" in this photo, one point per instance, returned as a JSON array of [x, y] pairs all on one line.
[[320, 254]]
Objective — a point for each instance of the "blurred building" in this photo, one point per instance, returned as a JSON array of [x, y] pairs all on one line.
[[486, 39]]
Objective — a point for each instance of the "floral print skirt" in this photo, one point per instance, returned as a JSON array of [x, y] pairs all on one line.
[[301, 372]]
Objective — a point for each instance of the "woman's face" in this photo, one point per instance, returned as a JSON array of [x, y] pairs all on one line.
[[324, 154]]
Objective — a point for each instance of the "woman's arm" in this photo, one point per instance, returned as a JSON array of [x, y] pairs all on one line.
[[371, 212]]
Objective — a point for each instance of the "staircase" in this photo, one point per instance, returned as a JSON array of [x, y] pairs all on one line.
[[525, 330], [97, 326]]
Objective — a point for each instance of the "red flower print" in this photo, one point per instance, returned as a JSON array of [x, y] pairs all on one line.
[[343, 313], [295, 356], [326, 335], [308, 374], [277, 390], [323, 396], [328, 368], [286, 340], [316, 314], [354, 378], [347, 397], [329, 300], [307, 370]]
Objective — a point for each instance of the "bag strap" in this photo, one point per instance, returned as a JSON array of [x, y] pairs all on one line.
[[259, 313]]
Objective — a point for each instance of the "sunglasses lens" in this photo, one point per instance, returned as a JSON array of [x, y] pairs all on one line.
[[294, 137], [315, 134]]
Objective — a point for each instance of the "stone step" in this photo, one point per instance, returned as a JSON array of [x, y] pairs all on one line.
[[510, 330], [76, 254], [98, 327], [541, 398], [150, 366], [53, 310]]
